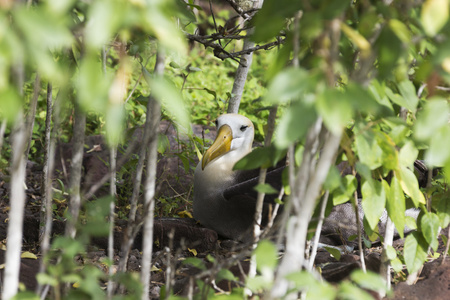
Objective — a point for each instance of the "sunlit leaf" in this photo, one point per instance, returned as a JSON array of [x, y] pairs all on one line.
[[28, 254], [408, 91], [369, 280], [443, 209], [438, 152], [429, 223], [101, 26], [396, 205], [410, 186], [348, 187], [195, 262], [357, 39], [193, 251], [334, 252], [264, 157], [433, 116], [266, 256], [368, 149], [265, 189], [171, 99], [294, 124], [401, 30], [434, 15], [277, 11], [415, 251], [289, 84], [408, 154], [225, 274], [349, 291], [373, 202], [335, 109]]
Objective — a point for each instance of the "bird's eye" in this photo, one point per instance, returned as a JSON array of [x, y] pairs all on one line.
[[243, 128]]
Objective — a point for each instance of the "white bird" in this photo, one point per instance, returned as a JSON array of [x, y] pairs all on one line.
[[224, 199]]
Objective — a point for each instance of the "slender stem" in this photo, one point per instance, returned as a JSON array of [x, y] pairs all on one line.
[[318, 230], [150, 183]]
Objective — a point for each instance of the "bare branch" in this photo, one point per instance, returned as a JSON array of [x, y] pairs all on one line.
[[154, 109]]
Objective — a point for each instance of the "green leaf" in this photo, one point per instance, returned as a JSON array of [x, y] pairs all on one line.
[[373, 202], [265, 189], [369, 280], [92, 85], [415, 251], [346, 191], [225, 274], [434, 16], [390, 154], [170, 98], [399, 100], [335, 109], [276, 11], [410, 186], [438, 153], [368, 149], [303, 280], [401, 30], [408, 154], [264, 157], [397, 264], [396, 206], [101, 25], [391, 253], [334, 252], [266, 256], [115, 116], [408, 91], [433, 117], [195, 262], [443, 209], [357, 39], [10, 104], [294, 124], [430, 224], [289, 84], [349, 291]]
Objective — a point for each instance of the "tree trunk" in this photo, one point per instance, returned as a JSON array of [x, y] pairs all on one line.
[[149, 202], [75, 170], [17, 203], [49, 161], [242, 70]]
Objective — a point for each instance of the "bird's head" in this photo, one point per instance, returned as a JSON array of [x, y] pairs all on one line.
[[235, 133]]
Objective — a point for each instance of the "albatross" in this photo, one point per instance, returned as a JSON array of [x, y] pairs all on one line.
[[224, 199]]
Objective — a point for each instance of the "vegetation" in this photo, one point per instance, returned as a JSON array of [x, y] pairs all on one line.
[[363, 82]]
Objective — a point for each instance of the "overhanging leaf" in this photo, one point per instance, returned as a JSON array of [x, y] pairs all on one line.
[[294, 124], [410, 186], [434, 15], [433, 116], [169, 96], [429, 223], [396, 205], [368, 149], [265, 189], [373, 202], [415, 251]]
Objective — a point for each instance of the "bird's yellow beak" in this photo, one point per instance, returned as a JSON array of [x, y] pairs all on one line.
[[221, 145]]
